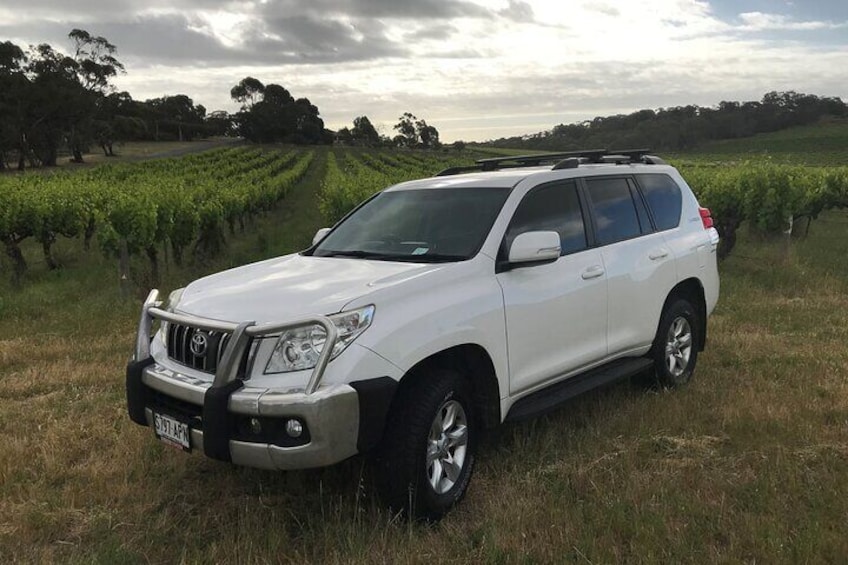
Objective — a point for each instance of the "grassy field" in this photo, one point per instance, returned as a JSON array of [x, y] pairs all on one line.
[[820, 144], [747, 463]]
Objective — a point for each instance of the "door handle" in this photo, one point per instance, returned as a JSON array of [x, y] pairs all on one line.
[[592, 272], [658, 254]]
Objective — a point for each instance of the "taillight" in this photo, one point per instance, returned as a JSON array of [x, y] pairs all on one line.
[[706, 217]]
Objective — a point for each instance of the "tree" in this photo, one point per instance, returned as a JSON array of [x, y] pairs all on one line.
[[96, 65], [344, 136], [49, 99], [413, 132], [364, 132], [96, 62], [428, 135], [309, 127], [58, 104], [271, 114], [119, 118], [407, 134], [682, 127], [14, 95], [176, 117], [220, 123], [247, 92]]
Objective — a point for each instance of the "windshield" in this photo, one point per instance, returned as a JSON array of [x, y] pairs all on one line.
[[422, 226]]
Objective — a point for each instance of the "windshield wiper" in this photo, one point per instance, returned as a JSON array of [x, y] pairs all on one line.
[[433, 258], [423, 258], [357, 253]]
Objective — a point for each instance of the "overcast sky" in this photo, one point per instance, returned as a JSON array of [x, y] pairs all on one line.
[[476, 69]]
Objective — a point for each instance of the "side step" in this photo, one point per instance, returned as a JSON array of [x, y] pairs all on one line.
[[550, 397]]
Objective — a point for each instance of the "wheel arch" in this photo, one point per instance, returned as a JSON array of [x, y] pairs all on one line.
[[691, 290], [476, 365]]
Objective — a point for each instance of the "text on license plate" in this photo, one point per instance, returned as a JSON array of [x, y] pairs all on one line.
[[172, 431]]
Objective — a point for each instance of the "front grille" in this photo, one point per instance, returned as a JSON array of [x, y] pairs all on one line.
[[182, 410], [196, 348]]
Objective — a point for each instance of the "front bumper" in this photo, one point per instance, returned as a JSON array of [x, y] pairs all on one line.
[[339, 420], [230, 420]]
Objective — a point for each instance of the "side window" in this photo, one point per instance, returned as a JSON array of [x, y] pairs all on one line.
[[664, 198], [641, 211], [551, 207], [615, 213]]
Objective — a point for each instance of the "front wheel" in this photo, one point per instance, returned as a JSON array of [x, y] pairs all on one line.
[[675, 350], [428, 452]]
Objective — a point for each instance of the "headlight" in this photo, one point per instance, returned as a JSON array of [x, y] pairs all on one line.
[[299, 348], [173, 300]]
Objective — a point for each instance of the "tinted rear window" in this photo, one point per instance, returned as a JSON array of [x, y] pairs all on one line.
[[615, 213], [664, 198]]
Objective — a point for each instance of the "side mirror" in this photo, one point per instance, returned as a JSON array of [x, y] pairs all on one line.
[[319, 235], [534, 247]]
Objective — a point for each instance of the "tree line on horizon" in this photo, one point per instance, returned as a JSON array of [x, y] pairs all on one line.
[[53, 103], [684, 127]]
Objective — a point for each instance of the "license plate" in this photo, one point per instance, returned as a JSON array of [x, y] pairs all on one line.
[[172, 431]]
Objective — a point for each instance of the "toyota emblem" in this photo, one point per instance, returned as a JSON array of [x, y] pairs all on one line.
[[198, 344]]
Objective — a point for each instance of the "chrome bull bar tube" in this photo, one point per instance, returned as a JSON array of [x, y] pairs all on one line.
[[326, 351], [227, 370], [145, 326]]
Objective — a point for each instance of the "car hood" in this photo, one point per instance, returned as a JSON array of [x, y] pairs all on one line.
[[292, 287]]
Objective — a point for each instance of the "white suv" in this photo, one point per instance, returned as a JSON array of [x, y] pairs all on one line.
[[436, 309]]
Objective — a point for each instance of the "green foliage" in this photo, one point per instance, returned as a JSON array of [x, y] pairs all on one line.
[[768, 196], [271, 114], [413, 132], [822, 144], [356, 176], [684, 127], [141, 206]]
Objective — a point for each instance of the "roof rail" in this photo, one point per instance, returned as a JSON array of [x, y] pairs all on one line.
[[562, 160]]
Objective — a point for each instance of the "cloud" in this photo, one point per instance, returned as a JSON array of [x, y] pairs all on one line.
[[604, 9], [759, 21], [473, 68], [518, 11], [175, 40], [307, 38], [358, 9]]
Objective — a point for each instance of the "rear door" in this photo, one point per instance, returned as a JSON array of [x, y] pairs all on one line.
[[639, 265], [556, 314]]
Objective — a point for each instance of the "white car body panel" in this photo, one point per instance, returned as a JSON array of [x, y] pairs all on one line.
[[637, 286], [538, 324], [556, 320]]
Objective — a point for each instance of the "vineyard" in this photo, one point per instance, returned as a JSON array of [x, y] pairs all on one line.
[[739, 466], [165, 207], [140, 208]]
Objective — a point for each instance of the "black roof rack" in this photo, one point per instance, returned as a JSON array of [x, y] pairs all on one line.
[[564, 160]]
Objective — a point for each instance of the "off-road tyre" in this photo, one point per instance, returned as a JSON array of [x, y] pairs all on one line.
[[675, 348], [404, 470]]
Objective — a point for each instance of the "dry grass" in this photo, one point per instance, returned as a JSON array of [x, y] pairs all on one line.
[[748, 463]]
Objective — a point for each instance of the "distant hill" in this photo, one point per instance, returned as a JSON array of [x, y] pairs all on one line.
[[824, 143], [684, 127]]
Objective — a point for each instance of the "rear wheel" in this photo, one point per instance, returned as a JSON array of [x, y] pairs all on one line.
[[675, 350], [428, 452]]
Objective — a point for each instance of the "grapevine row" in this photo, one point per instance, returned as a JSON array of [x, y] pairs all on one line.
[[769, 197], [351, 178], [137, 208]]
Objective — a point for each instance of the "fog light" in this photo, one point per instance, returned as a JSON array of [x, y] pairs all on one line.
[[255, 426], [294, 428]]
